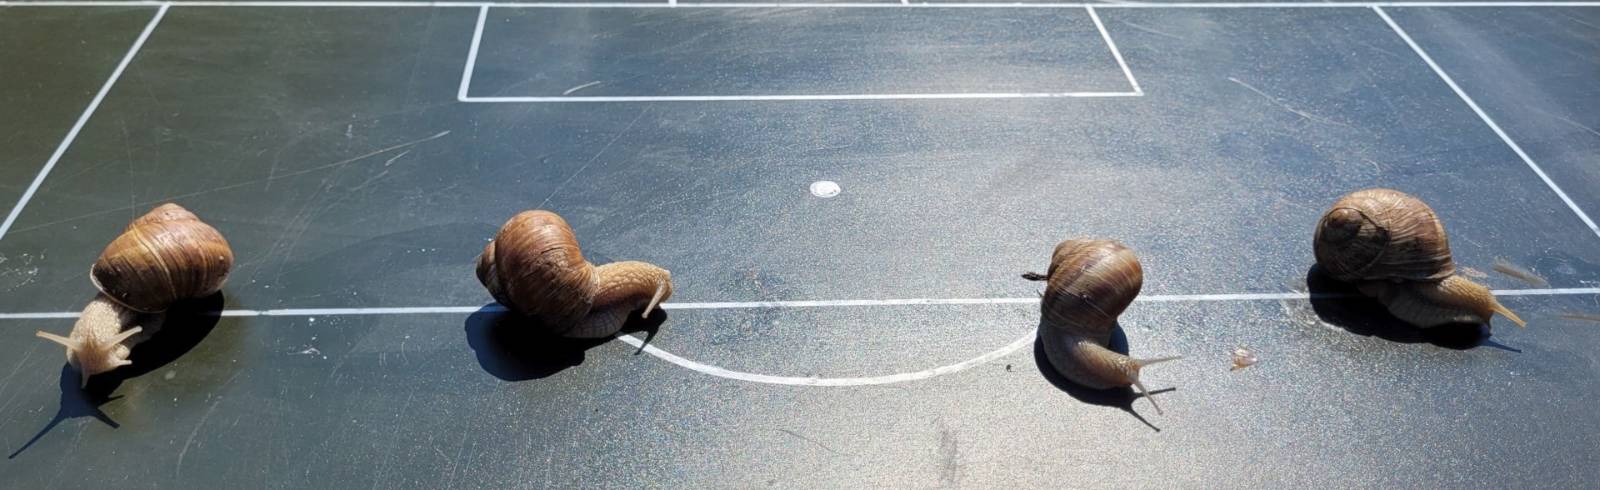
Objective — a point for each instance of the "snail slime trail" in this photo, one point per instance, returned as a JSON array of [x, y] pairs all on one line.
[[534, 267], [1089, 284], [1393, 248], [163, 257]]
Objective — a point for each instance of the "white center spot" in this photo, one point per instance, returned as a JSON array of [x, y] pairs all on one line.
[[824, 188]]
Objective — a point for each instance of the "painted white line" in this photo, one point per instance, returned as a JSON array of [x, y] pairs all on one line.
[[1167, 298], [1545, 292], [846, 302], [1276, 5], [458, 4], [1149, 298], [82, 119], [250, 4], [417, 310], [721, 372], [294, 312], [472, 55], [833, 303], [1487, 120], [40, 316], [1114, 51], [483, 12], [723, 98]]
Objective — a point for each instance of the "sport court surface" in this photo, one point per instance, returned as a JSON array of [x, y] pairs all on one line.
[[357, 164]]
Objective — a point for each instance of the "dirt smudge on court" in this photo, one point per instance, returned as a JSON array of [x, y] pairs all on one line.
[[949, 458]]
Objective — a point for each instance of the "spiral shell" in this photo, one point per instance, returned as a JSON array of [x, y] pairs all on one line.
[[164, 256], [1090, 283], [1383, 234], [535, 267]]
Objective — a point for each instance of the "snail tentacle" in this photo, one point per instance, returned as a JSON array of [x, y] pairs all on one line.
[[661, 290], [1140, 364]]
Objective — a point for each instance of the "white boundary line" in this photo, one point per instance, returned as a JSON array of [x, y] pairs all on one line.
[[726, 98], [1487, 120], [472, 55], [82, 119], [1116, 53], [673, 4], [483, 12], [833, 303], [819, 381]]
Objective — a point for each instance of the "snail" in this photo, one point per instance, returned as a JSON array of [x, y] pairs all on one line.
[[1090, 283], [533, 266], [163, 257], [1393, 248]]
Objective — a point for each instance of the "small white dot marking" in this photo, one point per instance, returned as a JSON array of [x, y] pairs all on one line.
[[824, 188]]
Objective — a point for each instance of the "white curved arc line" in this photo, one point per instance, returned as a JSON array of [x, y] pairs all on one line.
[[722, 372]]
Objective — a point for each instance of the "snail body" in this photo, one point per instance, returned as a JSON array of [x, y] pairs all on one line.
[[1393, 247], [1089, 284], [534, 267], [165, 256]]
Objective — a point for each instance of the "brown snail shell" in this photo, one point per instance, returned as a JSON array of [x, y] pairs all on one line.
[[1090, 283], [162, 257], [1394, 248], [1383, 234], [534, 266]]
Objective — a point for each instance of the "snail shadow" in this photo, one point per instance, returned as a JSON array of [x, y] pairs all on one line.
[[187, 323], [1121, 398], [513, 347], [1341, 305]]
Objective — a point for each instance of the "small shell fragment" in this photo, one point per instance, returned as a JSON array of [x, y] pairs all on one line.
[[1243, 358]]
